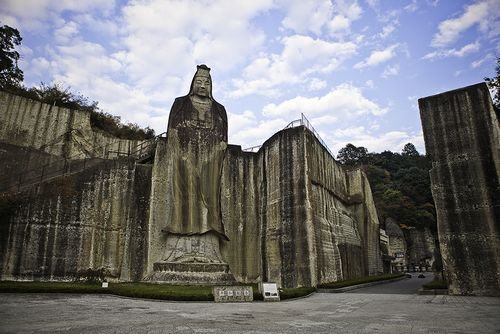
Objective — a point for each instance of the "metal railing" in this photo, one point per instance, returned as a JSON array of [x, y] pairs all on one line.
[[77, 163], [302, 121]]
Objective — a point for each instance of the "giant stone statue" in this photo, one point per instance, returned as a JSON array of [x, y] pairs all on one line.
[[196, 145]]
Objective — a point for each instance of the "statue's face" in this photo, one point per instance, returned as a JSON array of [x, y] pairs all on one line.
[[202, 86]]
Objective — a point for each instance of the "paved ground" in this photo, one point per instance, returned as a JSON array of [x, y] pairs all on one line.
[[389, 308]]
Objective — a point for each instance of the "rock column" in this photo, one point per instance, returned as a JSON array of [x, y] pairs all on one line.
[[461, 133]]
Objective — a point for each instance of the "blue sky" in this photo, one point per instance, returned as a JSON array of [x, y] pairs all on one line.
[[354, 68]]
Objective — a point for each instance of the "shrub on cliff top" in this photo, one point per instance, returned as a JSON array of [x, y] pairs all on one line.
[[57, 95]]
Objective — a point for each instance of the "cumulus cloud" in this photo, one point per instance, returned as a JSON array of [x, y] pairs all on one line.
[[301, 56], [374, 142], [378, 57], [303, 16], [220, 34], [344, 101], [257, 132], [306, 15], [33, 14], [462, 52], [316, 84], [345, 12], [481, 12]]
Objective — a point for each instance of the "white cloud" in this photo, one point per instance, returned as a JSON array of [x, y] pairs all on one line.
[[344, 101], [257, 132], [369, 84], [344, 13], [316, 84], [324, 120], [339, 22], [360, 136], [66, 32], [377, 57], [219, 34], [462, 52], [480, 13], [301, 56], [239, 122], [306, 15], [479, 62], [387, 30], [372, 3], [32, 14], [390, 71], [412, 6], [303, 16]]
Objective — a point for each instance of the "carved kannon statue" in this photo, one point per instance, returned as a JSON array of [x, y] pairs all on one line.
[[196, 142]]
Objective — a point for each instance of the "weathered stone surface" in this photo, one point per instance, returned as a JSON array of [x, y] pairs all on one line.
[[55, 130], [91, 220], [241, 213], [289, 214], [421, 246], [462, 139], [192, 222], [397, 245]]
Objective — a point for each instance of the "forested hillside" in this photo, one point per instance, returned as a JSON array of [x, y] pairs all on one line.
[[400, 184]]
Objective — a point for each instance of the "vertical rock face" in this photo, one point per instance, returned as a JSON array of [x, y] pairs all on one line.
[[397, 245], [291, 214], [288, 242], [462, 139], [420, 247], [91, 220], [55, 130], [241, 207], [294, 216]]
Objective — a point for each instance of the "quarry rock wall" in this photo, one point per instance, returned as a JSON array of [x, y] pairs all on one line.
[[420, 247], [55, 130], [292, 214], [93, 220], [462, 139], [241, 208]]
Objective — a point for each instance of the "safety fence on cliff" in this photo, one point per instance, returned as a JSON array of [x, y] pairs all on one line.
[[302, 121], [74, 164]]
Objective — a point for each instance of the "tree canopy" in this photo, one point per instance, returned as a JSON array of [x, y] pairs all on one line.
[[10, 73], [400, 183], [352, 155], [494, 84]]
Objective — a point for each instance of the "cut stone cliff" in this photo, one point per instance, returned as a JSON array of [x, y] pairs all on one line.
[[292, 214], [462, 140]]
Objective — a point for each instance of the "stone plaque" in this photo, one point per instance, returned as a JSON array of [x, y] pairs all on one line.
[[226, 294]]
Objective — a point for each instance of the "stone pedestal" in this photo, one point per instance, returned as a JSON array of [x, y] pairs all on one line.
[[191, 273], [192, 259]]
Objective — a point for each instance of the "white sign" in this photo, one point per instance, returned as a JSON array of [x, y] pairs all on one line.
[[105, 284], [270, 291]]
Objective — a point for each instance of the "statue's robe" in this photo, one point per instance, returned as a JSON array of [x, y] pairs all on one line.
[[196, 143]]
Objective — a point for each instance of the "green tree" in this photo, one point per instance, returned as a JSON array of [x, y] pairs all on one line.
[[351, 155], [410, 150], [10, 73], [494, 84]]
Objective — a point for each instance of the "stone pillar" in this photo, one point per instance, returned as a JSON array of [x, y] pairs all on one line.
[[462, 140]]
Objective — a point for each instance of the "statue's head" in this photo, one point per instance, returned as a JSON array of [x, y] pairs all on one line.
[[202, 82]]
